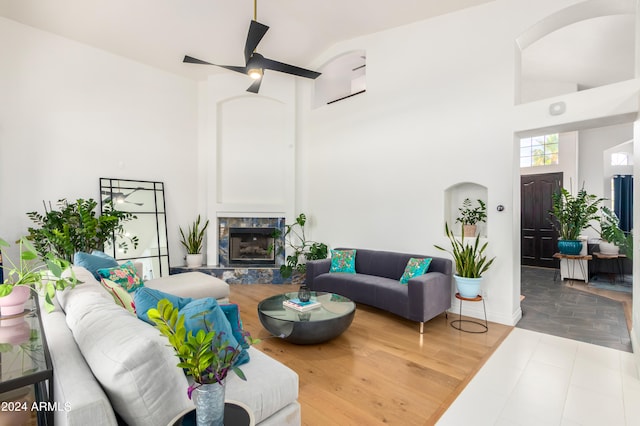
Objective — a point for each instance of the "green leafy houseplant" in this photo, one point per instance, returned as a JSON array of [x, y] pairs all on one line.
[[571, 214], [470, 260], [193, 238], [609, 228], [472, 215], [76, 227], [303, 249], [42, 275], [205, 356]]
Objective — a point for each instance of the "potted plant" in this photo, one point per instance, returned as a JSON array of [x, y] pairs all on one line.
[[470, 216], [32, 273], [192, 241], [612, 237], [470, 261], [570, 215], [206, 357], [302, 248], [76, 227]]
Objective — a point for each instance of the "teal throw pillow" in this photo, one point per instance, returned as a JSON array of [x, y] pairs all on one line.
[[232, 312], [197, 314], [415, 267], [125, 275], [343, 261], [93, 262]]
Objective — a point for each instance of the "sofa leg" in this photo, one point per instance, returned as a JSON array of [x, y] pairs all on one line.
[[421, 327]]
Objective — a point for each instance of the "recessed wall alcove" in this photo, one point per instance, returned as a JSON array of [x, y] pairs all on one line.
[[453, 198]]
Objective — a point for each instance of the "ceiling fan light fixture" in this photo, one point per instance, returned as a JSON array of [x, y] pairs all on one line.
[[255, 73]]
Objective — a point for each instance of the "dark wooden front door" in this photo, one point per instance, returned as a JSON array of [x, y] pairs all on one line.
[[538, 238]]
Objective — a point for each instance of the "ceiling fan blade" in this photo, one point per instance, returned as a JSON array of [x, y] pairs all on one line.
[[255, 86], [192, 60], [289, 69], [256, 32]]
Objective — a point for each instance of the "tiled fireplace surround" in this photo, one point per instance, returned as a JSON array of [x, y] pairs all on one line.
[[244, 274]]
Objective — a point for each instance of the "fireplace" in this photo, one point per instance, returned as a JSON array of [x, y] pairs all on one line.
[[244, 242], [251, 246]]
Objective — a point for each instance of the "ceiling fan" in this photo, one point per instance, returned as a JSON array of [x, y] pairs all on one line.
[[255, 63]]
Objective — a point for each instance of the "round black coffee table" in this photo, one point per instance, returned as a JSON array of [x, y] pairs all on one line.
[[318, 325]]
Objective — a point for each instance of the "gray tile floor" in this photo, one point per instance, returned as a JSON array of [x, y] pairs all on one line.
[[554, 308]]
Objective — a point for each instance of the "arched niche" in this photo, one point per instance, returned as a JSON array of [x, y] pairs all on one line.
[[454, 197], [342, 76], [587, 45]]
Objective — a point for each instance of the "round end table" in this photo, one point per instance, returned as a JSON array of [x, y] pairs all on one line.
[[457, 324]]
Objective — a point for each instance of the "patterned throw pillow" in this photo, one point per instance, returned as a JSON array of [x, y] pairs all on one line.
[[123, 275], [121, 296], [415, 267], [343, 261]]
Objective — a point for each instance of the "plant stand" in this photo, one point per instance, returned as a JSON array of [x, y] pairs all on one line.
[[457, 324]]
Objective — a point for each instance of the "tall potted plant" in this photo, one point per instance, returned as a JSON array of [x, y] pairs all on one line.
[[570, 215], [192, 241], [74, 227], [30, 273], [613, 239], [471, 262], [301, 248], [470, 216]]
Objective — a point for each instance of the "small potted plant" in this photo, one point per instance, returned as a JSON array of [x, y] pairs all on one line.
[[32, 273], [570, 215], [470, 216], [470, 261], [302, 248], [612, 237], [192, 241], [206, 357]]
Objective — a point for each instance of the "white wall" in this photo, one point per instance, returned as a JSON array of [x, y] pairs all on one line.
[[71, 114], [379, 163]]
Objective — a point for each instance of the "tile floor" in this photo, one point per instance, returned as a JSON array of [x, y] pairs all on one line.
[[540, 379]]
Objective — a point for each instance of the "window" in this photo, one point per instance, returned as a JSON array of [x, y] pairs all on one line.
[[620, 159], [539, 150]]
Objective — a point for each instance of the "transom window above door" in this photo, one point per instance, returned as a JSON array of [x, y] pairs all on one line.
[[539, 150]]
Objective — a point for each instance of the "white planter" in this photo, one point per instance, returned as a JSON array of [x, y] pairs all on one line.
[[609, 248], [194, 260]]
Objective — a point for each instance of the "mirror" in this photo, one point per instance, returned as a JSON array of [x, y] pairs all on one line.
[[145, 200]]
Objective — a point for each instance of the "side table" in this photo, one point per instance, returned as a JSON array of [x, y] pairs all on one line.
[[236, 413], [571, 260], [617, 257], [457, 324]]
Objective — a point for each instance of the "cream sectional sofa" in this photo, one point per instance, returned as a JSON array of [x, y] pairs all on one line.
[[111, 367]]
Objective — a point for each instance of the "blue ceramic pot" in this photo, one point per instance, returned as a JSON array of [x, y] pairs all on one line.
[[468, 287], [570, 247]]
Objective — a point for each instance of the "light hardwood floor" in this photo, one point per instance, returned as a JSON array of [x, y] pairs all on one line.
[[381, 370]]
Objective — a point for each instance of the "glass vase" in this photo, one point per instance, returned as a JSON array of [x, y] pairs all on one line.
[[209, 400]]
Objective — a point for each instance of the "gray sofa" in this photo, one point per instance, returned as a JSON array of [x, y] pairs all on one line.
[[107, 361], [376, 283]]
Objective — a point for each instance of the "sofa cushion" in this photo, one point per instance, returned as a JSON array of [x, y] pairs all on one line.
[[125, 275], [131, 360], [191, 284], [343, 261], [263, 372], [93, 262], [121, 296], [415, 267]]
